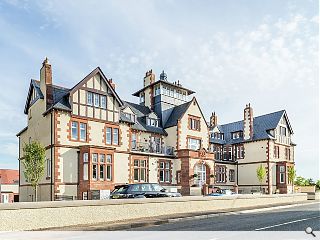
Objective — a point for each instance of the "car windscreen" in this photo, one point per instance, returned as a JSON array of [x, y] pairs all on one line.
[[121, 189]]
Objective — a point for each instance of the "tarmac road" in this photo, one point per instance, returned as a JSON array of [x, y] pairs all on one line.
[[293, 218]]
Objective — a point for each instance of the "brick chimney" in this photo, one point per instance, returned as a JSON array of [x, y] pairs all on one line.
[[113, 85], [46, 81], [248, 122], [149, 78], [213, 120]]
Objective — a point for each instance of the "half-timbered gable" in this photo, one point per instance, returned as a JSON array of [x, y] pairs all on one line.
[[95, 98]]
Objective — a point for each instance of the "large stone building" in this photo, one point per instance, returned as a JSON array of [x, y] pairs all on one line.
[[94, 140]]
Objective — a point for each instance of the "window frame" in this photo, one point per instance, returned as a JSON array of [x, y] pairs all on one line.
[[140, 168], [191, 144], [166, 170], [112, 138], [89, 98], [78, 130], [232, 175], [221, 174]]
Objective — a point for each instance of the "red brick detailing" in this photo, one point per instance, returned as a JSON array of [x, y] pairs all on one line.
[[185, 176], [268, 168], [178, 134], [90, 184], [57, 179]]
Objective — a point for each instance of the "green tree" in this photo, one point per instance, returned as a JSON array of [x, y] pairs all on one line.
[[318, 184], [310, 182], [261, 174], [291, 176], [34, 161], [300, 181]]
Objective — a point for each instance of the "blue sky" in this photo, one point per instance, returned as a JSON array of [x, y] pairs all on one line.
[[230, 52]]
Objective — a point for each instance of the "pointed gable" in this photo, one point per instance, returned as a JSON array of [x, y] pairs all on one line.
[[34, 94], [90, 80]]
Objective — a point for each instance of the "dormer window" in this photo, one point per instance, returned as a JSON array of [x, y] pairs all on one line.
[[217, 135], [237, 135], [130, 116], [152, 122]]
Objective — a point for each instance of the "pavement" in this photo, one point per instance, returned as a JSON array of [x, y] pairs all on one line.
[[292, 217]]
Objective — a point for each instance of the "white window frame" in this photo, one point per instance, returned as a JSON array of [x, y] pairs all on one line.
[[194, 144], [96, 100], [89, 98], [103, 101], [74, 125], [83, 129], [109, 136]]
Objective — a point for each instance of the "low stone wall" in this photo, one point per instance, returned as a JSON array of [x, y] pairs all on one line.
[[31, 216]]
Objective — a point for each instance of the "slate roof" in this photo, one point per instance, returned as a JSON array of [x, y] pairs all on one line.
[[176, 114], [60, 98], [136, 94], [141, 112], [261, 125]]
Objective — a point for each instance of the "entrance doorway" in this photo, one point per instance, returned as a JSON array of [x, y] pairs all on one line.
[[200, 171]]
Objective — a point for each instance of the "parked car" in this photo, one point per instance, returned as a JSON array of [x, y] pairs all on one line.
[[222, 192], [141, 190]]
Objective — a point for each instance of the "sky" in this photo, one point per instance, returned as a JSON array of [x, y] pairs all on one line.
[[230, 52]]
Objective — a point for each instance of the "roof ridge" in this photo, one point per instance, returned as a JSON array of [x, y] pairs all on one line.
[[253, 117]]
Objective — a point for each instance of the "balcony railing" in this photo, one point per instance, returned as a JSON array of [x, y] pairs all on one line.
[[152, 147]]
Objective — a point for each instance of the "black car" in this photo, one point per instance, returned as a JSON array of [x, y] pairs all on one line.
[[141, 190]]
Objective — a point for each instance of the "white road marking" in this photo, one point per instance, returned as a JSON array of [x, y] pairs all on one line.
[[274, 208], [286, 223]]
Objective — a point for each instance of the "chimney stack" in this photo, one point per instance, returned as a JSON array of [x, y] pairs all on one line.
[[248, 123], [46, 82], [149, 78], [46, 72], [213, 120], [113, 85]]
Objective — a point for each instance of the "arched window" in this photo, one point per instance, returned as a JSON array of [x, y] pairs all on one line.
[[200, 171]]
